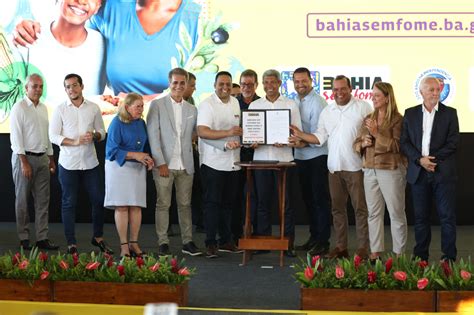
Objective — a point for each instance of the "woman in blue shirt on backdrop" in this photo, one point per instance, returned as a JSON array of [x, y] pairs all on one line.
[[126, 163]]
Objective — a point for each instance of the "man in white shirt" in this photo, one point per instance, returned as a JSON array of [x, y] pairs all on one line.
[[339, 124], [75, 125], [219, 119], [32, 162], [171, 123], [266, 180]]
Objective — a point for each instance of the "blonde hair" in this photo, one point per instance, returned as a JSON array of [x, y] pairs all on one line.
[[392, 109], [123, 114]]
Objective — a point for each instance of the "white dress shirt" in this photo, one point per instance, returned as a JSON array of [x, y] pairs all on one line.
[[176, 161], [217, 115], [29, 128], [270, 152], [339, 126], [69, 121], [428, 119]]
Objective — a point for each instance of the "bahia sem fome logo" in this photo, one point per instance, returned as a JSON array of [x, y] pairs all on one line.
[[447, 84]]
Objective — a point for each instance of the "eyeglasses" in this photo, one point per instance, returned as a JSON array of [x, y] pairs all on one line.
[[247, 84]]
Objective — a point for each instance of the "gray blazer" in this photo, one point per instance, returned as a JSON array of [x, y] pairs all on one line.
[[162, 132]]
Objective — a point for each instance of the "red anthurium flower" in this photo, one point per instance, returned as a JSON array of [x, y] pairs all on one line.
[[75, 259], [93, 265], [155, 267], [423, 264], [63, 265], [174, 265], [422, 283], [400, 275], [183, 271], [388, 265], [309, 273], [16, 259], [140, 262], [465, 275], [314, 260], [43, 256], [121, 270], [357, 261], [339, 272], [446, 268], [320, 266], [44, 275], [371, 276], [24, 264]]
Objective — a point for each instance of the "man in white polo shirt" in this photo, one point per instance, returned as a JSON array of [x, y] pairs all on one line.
[[219, 119], [266, 180], [75, 125], [32, 162], [339, 124]]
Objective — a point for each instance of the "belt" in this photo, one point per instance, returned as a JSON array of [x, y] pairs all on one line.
[[34, 153]]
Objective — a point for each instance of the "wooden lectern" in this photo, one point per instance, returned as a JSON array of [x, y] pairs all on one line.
[[248, 242]]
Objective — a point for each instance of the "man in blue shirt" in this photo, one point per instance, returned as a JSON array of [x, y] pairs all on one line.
[[312, 166]]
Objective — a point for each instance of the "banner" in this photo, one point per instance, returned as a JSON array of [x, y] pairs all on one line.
[[123, 50]]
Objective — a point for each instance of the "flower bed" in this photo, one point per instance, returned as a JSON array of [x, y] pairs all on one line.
[[398, 284], [92, 278]]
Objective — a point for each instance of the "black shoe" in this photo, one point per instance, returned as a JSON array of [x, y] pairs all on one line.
[[310, 243], [72, 250], [291, 252], [319, 249], [25, 244], [164, 250], [46, 244], [135, 254], [103, 246], [191, 249]]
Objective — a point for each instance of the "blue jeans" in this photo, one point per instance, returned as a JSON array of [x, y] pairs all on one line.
[[92, 182], [313, 175], [444, 194], [220, 199]]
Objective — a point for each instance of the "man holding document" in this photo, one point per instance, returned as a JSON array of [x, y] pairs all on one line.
[[276, 138]]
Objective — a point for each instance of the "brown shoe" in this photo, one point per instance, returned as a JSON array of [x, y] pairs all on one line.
[[211, 251], [362, 253], [337, 253], [230, 248]]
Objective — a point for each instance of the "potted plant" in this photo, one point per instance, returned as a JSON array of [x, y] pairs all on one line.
[[25, 277], [455, 286], [398, 284], [93, 278]]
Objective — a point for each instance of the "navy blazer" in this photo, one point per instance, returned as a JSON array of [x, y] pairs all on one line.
[[444, 141]]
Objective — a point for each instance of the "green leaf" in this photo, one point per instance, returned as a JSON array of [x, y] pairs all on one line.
[[185, 37], [174, 62], [182, 55]]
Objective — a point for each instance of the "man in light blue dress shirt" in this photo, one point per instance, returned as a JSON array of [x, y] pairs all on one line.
[[312, 166]]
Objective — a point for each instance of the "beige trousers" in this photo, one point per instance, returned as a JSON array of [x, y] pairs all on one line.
[[386, 187], [343, 184], [164, 189]]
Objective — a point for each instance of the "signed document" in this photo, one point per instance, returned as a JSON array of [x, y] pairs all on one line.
[[253, 127], [278, 126], [265, 126]]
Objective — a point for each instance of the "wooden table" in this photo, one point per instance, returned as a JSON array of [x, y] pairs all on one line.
[[250, 243]]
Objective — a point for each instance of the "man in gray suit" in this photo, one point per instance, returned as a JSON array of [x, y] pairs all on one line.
[[171, 123]]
